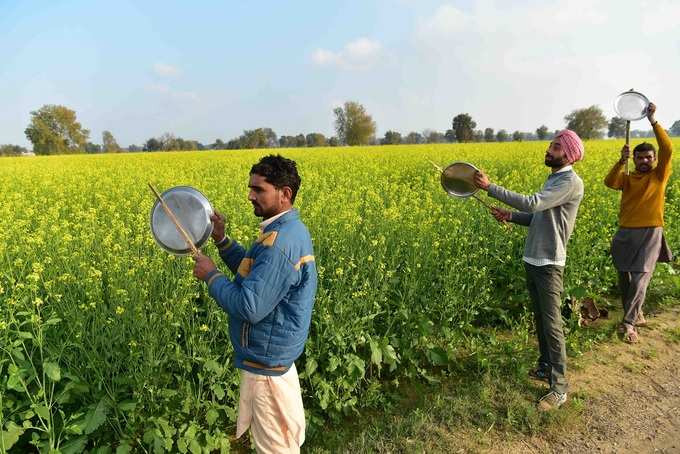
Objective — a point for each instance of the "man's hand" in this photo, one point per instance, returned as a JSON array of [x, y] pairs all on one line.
[[218, 221], [501, 215], [625, 154], [651, 110], [203, 266], [481, 180]]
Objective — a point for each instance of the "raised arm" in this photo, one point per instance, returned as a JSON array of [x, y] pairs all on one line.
[[616, 177]]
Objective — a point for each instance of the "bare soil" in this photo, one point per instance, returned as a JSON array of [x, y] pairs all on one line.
[[631, 396]]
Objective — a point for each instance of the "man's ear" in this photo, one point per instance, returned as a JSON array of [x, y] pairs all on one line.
[[287, 193]]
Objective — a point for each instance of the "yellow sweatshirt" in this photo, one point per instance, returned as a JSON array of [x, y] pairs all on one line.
[[643, 194]]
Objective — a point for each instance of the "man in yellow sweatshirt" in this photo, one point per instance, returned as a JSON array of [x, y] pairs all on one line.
[[639, 243]]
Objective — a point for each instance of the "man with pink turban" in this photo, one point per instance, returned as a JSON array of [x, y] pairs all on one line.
[[550, 215]]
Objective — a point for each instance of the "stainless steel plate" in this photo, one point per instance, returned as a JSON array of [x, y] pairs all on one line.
[[631, 105], [193, 211], [458, 179]]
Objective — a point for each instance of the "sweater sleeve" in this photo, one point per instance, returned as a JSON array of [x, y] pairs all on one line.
[[257, 294], [550, 196], [521, 218], [663, 167], [615, 177], [231, 254]]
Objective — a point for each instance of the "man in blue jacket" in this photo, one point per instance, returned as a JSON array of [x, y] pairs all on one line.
[[269, 302]]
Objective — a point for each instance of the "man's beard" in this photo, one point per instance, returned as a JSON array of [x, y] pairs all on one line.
[[554, 163]]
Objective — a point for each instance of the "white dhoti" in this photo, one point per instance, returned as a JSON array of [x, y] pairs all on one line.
[[272, 408]]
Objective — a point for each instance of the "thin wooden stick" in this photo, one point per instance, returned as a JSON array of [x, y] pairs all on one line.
[[173, 218], [436, 166]]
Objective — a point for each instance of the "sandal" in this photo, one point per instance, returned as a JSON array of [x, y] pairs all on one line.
[[631, 336]]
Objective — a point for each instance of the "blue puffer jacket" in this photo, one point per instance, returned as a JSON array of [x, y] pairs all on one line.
[[270, 300]]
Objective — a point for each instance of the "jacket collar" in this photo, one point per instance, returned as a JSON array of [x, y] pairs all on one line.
[[289, 215]]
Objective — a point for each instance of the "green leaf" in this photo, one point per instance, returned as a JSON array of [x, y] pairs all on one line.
[[212, 366], [310, 366], [127, 406], [52, 370], [75, 446], [578, 292], [14, 381], [123, 448], [25, 335], [41, 411], [211, 416], [438, 356], [194, 447], [102, 450], [95, 418], [218, 390], [376, 353], [11, 435], [53, 321]]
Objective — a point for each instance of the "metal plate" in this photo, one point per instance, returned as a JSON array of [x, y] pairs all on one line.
[[458, 179], [631, 105], [193, 211]]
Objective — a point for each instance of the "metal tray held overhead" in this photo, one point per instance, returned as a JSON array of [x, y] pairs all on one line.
[[631, 105]]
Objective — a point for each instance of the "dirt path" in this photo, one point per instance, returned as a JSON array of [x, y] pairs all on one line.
[[632, 397]]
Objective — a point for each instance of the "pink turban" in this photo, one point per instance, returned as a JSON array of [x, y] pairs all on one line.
[[571, 145]]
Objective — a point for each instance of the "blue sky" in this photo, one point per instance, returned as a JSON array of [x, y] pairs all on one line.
[[207, 69]]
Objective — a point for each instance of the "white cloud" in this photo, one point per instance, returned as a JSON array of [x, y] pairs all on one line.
[[165, 70], [359, 54], [518, 64]]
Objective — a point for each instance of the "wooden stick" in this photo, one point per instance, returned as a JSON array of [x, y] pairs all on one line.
[[436, 166], [173, 218], [627, 141]]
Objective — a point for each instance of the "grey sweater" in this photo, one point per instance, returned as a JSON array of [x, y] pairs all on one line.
[[550, 215]]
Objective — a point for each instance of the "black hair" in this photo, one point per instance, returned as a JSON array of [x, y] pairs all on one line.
[[278, 171], [644, 146]]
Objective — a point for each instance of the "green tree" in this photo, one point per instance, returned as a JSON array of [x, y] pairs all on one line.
[[109, 144], [478, 135], [675, 129], [315, 139], [153, 144], [259, 138], [431, 136], [354, 126], [588, 123], [54, 130], [489, 135], [517, 136], [542, 132], [12, 150], [464, 127], [450, 135], [92, 148], [616, 127], [502, 135], [414, 138], [391, 138]]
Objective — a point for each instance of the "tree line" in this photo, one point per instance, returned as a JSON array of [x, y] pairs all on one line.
[[54, 129]]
